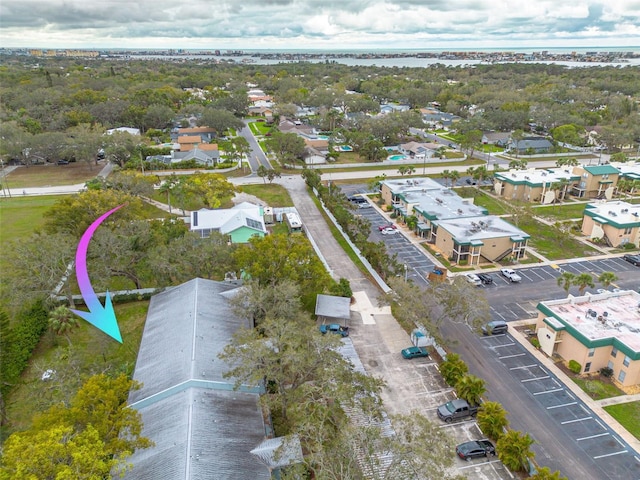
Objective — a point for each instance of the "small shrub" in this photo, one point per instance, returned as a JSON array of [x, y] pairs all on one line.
[[606, 372], [629, 246], [574, 366], [535, 342]]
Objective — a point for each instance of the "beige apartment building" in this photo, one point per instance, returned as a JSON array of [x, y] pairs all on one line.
[[617, 223], [597, 331], [535, 185]]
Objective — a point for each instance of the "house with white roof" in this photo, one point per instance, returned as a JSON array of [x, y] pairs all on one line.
[[617, 223], [597, 331], [239, 223]]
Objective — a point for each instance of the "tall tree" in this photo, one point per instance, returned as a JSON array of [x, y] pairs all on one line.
[[566, 280], [607, 278], [453, 369], [492, 419], [470, 388], [83, 142], [583, 281], [212, 189]]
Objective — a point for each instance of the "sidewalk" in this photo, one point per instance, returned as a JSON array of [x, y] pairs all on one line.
[[595, 405]]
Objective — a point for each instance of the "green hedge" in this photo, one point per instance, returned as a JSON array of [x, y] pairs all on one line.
[[19, 342]]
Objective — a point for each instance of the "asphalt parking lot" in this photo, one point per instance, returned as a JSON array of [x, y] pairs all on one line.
[[417, 263], [610, 453], [416, 385]]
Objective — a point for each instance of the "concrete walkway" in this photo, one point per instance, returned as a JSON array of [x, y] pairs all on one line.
[[595, 405]]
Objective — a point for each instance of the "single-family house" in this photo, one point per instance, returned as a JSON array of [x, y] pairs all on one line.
[[418, 150], [597, 331], [206, 134], [387, 108], [499, 139], [617, 223], [239, 223], [530, 144], [129, 130], [200, 425]]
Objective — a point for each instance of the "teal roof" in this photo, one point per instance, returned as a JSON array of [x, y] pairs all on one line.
[[601, 169]]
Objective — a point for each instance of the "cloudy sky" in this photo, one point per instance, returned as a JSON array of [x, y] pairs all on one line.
[[319, 24]]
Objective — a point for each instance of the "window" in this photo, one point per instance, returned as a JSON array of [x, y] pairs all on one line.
[[592, 352], [610, 365], [626, 361], [621, 376], [587, 367], [627, 231], [614, 352]]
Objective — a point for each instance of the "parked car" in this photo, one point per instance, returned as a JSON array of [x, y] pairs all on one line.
[[475, 449], [387, 225], [510, 274], [335, 328], [63, 162], [455, 409], [389, 231], [632, 259], [357, 199], [474, 279], [414, 352], [495, 327], [364, 205], [485, 278]]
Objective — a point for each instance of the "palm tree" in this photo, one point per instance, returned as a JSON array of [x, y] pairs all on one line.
[[492, 419], [455, 176], [446, 175], [62, 321], [545, 474], [583, 281], [607, 278], [470, 388], [566, 280], [514, 450], [453, 369], [168, 186]]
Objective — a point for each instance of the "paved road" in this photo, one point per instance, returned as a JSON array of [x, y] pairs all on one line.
[[257, 156]]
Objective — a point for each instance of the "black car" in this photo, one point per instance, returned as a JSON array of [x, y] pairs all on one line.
[[475, 449], [485, 278], [632, 259]]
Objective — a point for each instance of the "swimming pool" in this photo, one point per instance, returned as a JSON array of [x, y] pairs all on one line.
[[397, 157], [345, 148]]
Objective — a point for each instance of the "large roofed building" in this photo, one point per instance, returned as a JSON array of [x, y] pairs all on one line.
[[534, 185], [201, 427], [597, 331], [617, 223]]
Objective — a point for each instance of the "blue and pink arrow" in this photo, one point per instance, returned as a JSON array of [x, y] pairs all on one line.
[[103, 318]]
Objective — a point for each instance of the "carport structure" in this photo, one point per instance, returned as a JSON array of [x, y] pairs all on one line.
[[333, 309]]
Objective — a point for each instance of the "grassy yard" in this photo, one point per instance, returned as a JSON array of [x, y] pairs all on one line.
[[47, 175], [628, 415], [275, 195], [23, 215], [480, 198], [549, 242], [596, 388], [90, 352], [560, 212]]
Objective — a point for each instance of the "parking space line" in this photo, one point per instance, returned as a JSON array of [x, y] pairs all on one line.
[[610, 454], [458, 423], [560, 406], [536, 273], [524, 366], [572, 397], [478, 464], [534, 379], [592, 436], [505, 345], [576, 420], [601, 425], [549, 391], [618, 440], [512, 356]]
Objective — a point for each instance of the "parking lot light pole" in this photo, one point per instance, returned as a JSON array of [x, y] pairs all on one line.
[[405, 273]]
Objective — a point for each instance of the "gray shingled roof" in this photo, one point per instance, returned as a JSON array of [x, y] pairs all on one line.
[[201, 428], [330, 306]]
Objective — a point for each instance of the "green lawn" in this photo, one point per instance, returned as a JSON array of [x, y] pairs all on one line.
[[560, 212], [91, 352], [47, 175], [628, 415], [548, 241], [596, 388], [21, 216], [480, 198], [275, 195]]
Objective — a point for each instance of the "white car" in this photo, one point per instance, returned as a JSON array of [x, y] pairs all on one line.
[[389, 231], [474, 279], [510, 274]]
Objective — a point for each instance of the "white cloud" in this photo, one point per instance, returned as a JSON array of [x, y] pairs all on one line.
[[316, 24]]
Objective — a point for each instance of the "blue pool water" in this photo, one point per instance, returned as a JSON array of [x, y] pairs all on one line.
[[345, 148], [397, 157]]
